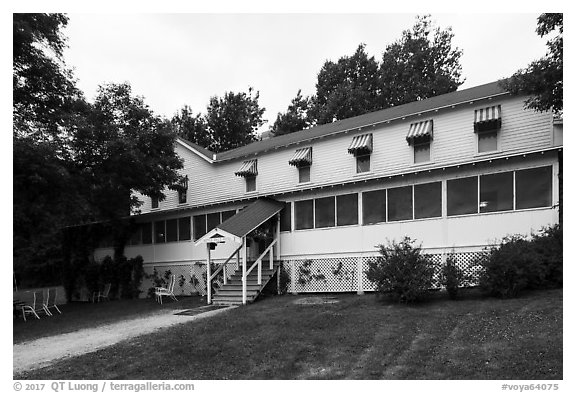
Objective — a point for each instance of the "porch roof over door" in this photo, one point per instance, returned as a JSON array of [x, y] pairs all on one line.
[[246, 220]]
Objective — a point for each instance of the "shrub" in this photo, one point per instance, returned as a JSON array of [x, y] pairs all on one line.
[[451, 277], [401, 271], [510, 268], [548, 245]]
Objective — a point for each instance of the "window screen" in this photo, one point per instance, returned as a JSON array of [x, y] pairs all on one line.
[[147, 233], [154, 203], [324, 212], [400, 203], [304, 174], [159, 232], [286, 218], [347, 209], [199, 226], [487, 141], [534, 188], [428, 200], [422, 152], [304, 212], [184, 228], [362, 164], [227, 214], [250, 183], [213, 220], [496, 192], [136, 237], [462, 196], [374, 206], [172, 230]]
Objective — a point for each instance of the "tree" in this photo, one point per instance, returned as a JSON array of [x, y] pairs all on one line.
[[44, 93], [543, 79], [346, 88], [190, 127], [295, 118], [419, 65], [123, 147], [233, 120]]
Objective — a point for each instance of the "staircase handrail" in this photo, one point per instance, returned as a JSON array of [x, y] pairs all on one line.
[[224, 264], [259, 260]]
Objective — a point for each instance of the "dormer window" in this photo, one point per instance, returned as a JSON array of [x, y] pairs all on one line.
[[302, 159], [249, 170], [420, 137], [487, 122], [361, 148]]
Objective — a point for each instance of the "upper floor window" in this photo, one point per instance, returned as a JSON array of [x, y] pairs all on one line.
[[183, 190], [420, 137], [154, 202], [487, 122], [361, 147], [302, 159], [249, 170]]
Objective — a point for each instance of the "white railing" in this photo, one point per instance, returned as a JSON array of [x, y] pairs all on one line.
[[258, 263], [211, 276]]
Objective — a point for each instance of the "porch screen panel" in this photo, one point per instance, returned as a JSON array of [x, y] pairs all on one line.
[[184, 228], [534, 188], [462, 196], [400, 203], [172, 230], [428, 200], [286, 218], [147, 233], [324, 212], [496, 192], [213, 220], [373, 207], [199, 226], [159, 232], [304, 213], [227, 214], [136, 237], [347, 209]]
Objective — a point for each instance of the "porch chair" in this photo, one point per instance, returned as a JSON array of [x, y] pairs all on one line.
[[168, 291], [29, 308], [102, 294], [45, 300], [54, 296]]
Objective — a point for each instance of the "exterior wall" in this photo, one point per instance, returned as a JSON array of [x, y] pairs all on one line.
[[454, 142]]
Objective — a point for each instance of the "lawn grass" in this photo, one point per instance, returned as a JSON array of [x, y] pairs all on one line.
[[80, 315], [360, 337]]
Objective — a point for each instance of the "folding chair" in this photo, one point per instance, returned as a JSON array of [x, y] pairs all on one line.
[[29, 309], [168, 291], [53, 301], [102, 294]]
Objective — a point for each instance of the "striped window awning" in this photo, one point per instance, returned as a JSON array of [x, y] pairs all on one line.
[[421, 131], [302, 157], [248, 168], [361, 144], [487, 119]]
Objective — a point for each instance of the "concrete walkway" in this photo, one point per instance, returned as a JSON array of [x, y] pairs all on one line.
[[43, 351]]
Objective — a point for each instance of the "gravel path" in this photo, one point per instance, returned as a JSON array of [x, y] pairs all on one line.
[[40, 353]]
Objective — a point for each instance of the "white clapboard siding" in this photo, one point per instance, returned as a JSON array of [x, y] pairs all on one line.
[[454, 141]]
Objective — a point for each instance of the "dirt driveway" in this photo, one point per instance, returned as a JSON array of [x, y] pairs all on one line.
[[43, 351]]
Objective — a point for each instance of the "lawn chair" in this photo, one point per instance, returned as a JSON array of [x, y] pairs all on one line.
[[53, 301], [28, 308], [45, 299], [102, 294], [168, 291]]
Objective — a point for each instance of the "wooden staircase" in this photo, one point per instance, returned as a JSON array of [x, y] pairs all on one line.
[[231, 293]]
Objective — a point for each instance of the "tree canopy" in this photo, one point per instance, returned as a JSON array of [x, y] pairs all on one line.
[[230, 121], [423, 63], [543, 78]]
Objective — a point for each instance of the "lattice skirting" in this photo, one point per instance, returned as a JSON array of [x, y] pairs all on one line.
[[342, 274], [314, 275], [190, 277]]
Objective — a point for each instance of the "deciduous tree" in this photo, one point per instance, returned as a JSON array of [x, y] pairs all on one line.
[[543, 78], [295, 118]]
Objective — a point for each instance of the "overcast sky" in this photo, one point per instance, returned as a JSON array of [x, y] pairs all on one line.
[[178, 59]]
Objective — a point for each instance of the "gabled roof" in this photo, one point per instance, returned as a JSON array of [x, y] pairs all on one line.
[[245, 221], [368, 119]]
